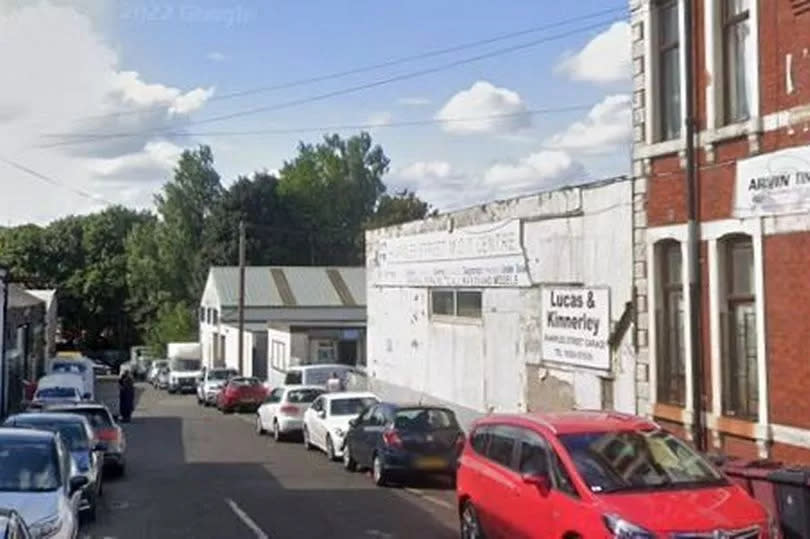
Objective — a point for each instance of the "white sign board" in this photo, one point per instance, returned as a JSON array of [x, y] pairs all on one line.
[[575, 326], [489, 255], [773, 183]]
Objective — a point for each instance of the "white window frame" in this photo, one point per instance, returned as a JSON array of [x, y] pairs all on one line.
[[715, 89]]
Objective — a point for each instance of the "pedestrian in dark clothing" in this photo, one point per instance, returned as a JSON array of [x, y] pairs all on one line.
[[126, 396]]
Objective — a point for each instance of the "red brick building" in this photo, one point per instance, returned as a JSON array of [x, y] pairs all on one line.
[[751, 63]]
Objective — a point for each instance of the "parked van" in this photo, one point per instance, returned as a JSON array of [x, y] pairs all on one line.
[[80, 366], [316, 375]]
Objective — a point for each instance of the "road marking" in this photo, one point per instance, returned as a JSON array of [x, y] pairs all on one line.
[[244, 517], [429, 498]]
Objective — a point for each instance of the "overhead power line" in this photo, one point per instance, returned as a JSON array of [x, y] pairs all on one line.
[[58, 183], [79, 138], [374, 84], [381, 65]]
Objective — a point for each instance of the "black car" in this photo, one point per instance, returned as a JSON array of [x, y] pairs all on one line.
[[12, 525], [398, 441]]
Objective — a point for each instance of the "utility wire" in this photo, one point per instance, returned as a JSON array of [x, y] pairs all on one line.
[[78, 137], [381, 65], [52, 181], [374, 84]]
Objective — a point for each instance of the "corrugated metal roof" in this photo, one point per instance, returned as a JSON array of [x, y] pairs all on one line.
[[292, 286]]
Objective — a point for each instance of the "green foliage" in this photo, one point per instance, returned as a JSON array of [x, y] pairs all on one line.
[[172, 323], [402, 207]]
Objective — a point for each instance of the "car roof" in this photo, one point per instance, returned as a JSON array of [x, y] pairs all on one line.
[[301, 386], [45, 417], [337, 366], [78, 406], [573, 422], [350, 395], [15, 433]]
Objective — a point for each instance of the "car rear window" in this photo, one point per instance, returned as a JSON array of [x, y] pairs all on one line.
[[56, 392], [303, 395], [422, 419], [351, 406], [98, 417], [293, 378], [319, 376]]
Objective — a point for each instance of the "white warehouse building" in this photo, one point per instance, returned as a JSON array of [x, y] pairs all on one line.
[[517, 305]]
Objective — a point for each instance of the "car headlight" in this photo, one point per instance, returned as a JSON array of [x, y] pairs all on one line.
[[621, 529], [47, 527]]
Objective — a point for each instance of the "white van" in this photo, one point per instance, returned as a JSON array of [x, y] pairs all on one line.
[[316, 375], [80, 366], [61, 387]]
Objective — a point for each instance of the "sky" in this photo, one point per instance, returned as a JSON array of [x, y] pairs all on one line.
[[476, 100]]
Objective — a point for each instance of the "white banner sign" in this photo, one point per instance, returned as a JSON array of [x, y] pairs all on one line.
[[773, 183], [488, 255], [576, 325]]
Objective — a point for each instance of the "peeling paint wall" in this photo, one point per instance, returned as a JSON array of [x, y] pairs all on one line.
[[580, 236]]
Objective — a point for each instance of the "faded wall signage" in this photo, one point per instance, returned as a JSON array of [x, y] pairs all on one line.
[[489, 255], [774, 183], [576, 326]]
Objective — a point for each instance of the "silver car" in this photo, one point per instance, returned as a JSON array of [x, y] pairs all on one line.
[[39, 480], [12, 525]]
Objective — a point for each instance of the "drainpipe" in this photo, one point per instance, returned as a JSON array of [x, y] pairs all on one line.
[[693, 238]]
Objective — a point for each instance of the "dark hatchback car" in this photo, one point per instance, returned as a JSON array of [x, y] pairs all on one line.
[[398, 442]]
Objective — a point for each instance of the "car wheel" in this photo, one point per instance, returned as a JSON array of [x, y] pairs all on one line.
[[330, 448], [470, 526], [307, 443], [349, 464], [276, 431], [378, 472], [259, 429]]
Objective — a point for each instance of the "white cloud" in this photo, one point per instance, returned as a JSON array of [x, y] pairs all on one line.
[[538, 171], [68, 80], [607, 125], [414, 101], [379, 119], [499, 110], [426, 169], [604, 59], [216, 56]]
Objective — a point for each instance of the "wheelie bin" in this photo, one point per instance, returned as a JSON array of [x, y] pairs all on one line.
[[792, 489]]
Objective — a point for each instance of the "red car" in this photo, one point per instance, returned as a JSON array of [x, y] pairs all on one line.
[[243, 393], [595, 475]]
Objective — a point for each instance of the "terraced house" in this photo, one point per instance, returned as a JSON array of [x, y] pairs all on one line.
[[724, 306]]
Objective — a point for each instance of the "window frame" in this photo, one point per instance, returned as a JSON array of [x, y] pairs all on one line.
[[668, 286], [728, 23], [455, 295], [743, 406], [660, 49]]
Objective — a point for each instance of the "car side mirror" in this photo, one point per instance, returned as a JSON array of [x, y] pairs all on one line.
[[100, 446], [353, 422], [540, 481], [77, 482], [86, 396]]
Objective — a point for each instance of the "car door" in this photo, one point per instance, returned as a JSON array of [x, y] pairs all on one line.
[[354, 438], [362, 446], [499, 482], [531, 509], [313, 421], [268, 410]]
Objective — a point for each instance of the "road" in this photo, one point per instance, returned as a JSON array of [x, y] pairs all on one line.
[[193, 472]]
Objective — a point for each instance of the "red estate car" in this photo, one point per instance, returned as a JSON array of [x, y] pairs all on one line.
[[595, 475], [243, 393]]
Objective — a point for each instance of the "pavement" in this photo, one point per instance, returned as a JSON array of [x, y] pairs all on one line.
[[193, 472]]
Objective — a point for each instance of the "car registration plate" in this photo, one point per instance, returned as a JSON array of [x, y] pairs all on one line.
[[431, 463], [248, 400]]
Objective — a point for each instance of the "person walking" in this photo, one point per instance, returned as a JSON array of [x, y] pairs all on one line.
[[126, 396]]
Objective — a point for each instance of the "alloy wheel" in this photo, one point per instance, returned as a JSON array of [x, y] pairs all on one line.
[[276, 432], [377, 472], [330, 448], [259, 428], [470, 527]]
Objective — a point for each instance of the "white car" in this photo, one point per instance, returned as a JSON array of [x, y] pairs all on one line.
[[212, 382], [327, 420], [39, 480], [283, 409]]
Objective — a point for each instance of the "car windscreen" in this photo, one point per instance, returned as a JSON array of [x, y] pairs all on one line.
[[56, 393], [424, 419], [303, 395], [185, 364], [293, 378], [28, 466], [73, 434], [637, 460], [221, 375], [350, 406], [99, 418], [69, 367]]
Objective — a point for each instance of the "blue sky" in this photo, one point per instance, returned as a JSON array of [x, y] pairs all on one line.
[[141, 56]]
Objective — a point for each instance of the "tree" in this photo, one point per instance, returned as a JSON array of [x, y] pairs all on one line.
[[174, 322], [402, 207], [334, 187], [183, 206]]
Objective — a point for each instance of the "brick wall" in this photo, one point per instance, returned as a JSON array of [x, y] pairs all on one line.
[[790, 454], [787, 311], [781, 33]]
